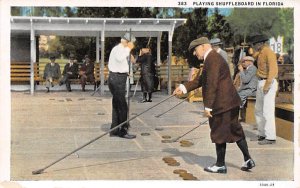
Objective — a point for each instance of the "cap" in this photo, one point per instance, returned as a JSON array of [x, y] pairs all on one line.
[[72, 56], [215, 41], [129, 37], [248, 58], [258, 38], [197, 42]]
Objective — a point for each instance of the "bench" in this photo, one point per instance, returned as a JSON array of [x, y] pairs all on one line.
[[20, 72], [285, 76]]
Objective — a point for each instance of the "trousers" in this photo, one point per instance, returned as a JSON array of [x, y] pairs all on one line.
[[117, 87], [265, 110]]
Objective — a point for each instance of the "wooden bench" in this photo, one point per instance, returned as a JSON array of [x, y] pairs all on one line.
[[20, 72], [286, 75]]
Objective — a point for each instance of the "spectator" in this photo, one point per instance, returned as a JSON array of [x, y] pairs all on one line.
[[86, 72], [70, 72], [247, 75], [266, 89], [51, 72], [147, 74]]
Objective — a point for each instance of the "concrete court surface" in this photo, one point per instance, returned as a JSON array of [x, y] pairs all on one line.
[[46, 126]]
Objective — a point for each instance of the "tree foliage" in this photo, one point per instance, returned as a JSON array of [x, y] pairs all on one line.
[[246, 22]]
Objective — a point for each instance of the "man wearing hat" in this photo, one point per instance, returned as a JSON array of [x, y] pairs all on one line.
[[216, 45], [118, 71], [267, 71], [221, 104], [70, 72], [86, 72], [51, 72], [248, 80]]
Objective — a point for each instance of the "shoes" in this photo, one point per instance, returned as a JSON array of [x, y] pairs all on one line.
[[149, 100], [143, 101], [60, 84], [52, 85], [113, 135], [248, 165], [69, 90], [83, 90], [266, 141], [128, 136], [47, 90], [216, 169], [258, 138]]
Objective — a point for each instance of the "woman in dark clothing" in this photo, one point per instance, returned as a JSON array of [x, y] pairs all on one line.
[[147, 73]]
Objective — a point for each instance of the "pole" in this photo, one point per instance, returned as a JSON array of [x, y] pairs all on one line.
[[128, 79]]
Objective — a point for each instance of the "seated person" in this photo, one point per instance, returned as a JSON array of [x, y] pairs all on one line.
[[70, 72], [51, 72], [86, 72], [248, 79]]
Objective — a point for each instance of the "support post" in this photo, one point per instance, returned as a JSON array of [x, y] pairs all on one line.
[[170, 37], [32, 58], [158, 48], [102, 58]]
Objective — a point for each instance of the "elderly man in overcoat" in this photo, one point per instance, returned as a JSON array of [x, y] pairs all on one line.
[[221, 104]]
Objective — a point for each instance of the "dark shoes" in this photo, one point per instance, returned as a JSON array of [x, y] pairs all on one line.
[[60, 84], [127, 136], [149, 100], [216, 169], [248, 165], [143, 101], [258, 138], [47, 91], [266, 141], [52, 85]]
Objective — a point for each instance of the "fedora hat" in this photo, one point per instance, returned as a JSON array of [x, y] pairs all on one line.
[[129, 37], [197, 42], [258, 38]]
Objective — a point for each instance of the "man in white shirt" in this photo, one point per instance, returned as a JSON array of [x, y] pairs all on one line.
[[118, 71]]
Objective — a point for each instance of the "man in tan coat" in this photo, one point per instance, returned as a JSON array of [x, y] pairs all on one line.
[[267, 86], [221, 104]]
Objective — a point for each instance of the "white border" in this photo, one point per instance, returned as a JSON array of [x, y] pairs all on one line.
[[5, 99]]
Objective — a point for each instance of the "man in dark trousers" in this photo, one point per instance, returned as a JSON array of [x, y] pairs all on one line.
[[118, 71], [221, 104], [70, 72], [147, 74], [86, 72], [52, 72]]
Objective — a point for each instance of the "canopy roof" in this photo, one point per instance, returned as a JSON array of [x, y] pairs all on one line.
[[75, 26]]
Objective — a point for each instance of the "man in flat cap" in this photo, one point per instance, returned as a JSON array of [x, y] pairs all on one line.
[[70, 72], [221, 104], [118, 71], [248, 80], [51, 72], [267, 70]]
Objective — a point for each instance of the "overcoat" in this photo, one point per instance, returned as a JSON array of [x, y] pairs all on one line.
[[147, 72], [220, 95], [73, 69]]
